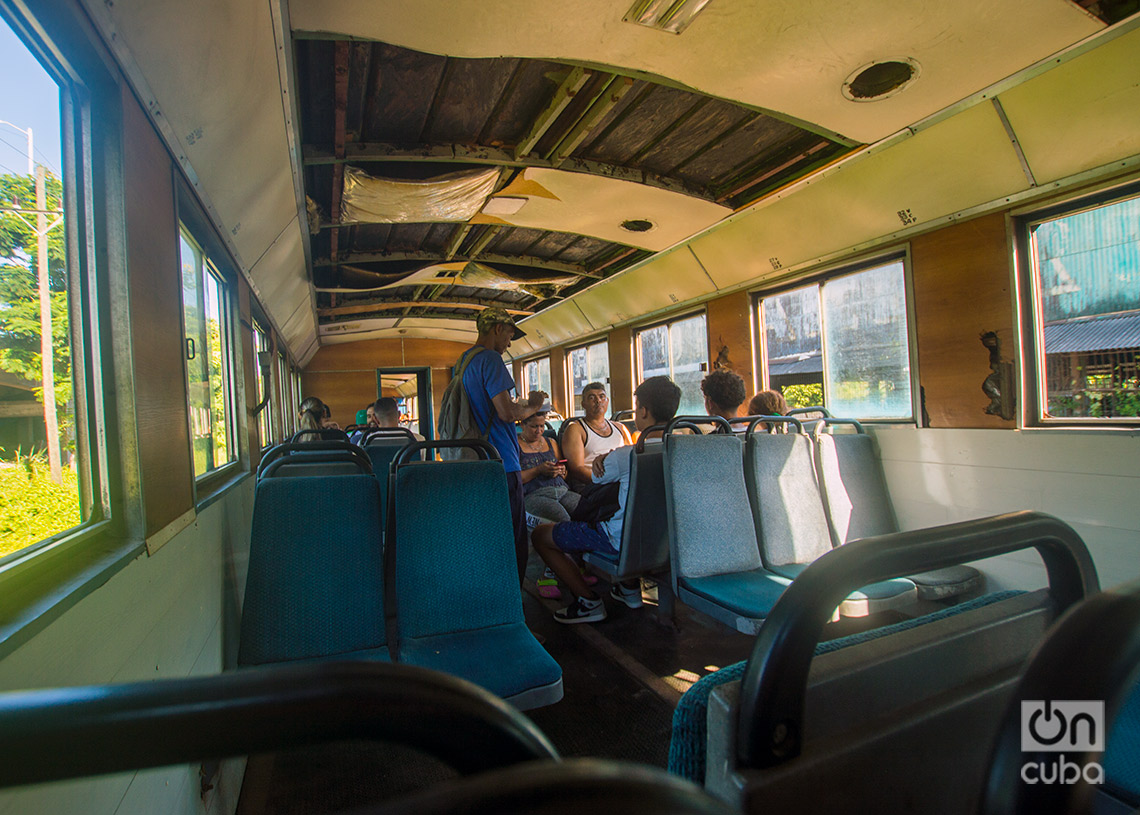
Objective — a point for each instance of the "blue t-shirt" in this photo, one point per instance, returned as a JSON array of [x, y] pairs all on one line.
[[485, 378]]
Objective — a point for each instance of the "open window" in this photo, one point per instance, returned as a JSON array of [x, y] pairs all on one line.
[[536, 375], [1080, 267]]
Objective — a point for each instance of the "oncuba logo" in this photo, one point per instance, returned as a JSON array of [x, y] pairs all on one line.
[[1062, 727]]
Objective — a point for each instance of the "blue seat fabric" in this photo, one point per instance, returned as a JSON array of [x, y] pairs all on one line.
[[1122, 752], [750, 594], [457, 594], [687, 747], [314, 587]]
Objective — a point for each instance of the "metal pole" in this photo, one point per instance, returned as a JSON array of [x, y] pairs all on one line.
[[51, 426]]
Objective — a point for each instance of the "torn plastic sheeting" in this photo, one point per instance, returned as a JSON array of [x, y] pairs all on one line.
[[477, 276], [454, 197]]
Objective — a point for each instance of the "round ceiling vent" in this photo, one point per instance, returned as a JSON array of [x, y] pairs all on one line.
[[880, 80], [638, 225]]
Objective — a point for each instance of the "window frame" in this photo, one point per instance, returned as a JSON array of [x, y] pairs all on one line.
[[524, 386], [1033, 389], [637, 330], [820, 276], [217, 265], [569, 372]]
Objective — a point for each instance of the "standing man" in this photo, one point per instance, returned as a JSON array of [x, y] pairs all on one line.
[[489, 386], [595, 435]]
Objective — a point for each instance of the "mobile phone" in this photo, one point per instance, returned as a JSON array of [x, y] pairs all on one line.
[[561, 461]]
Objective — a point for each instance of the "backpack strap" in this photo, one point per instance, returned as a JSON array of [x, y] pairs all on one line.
[[461, 368]]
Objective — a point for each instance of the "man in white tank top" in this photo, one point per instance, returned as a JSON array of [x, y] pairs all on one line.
[[585, 440]]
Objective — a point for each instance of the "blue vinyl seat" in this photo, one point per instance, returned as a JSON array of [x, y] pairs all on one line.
[[790, 521], [315, 585], [457, 597], [716, 566], [858, 505]]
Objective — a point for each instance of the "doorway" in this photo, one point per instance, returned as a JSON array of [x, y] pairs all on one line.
[[411, 388]]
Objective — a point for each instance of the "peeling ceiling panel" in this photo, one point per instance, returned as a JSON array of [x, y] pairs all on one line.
[[1092, 101], [956, 164], [564, 323], [798, 55], [596, 206]]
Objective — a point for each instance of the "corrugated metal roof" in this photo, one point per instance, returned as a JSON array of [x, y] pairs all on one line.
[[799, 364], [1093, 334]]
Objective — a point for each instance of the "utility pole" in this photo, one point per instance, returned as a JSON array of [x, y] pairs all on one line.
[[47, 355]]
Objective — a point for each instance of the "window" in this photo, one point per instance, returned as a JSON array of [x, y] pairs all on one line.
[[1083, 312], [679, 350], [206, 320], [264, 382], [48, 479], [590, 363], [536, 375], [842, 342]]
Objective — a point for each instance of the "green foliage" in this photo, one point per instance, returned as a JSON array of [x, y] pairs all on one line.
[[799, 396], [32, 507], [19, 292]]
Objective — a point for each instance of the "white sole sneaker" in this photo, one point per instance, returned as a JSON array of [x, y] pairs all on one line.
[[629, 598], [575, 613]]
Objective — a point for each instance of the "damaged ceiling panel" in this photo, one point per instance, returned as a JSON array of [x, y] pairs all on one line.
[[438, 186]]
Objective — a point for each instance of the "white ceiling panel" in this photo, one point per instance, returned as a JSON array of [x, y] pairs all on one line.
[[663, 282], [790, 57], [961, 162], [1082, 114]]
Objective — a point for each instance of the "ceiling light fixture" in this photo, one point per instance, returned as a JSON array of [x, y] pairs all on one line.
[[665, 15], [503, 205], [880, 79]]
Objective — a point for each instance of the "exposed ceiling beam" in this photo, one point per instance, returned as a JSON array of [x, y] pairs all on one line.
[[339, 115], [379, 152], [387, 305], [488, 235], [434, 257], [575, 80], [455, 241], [611, 94]]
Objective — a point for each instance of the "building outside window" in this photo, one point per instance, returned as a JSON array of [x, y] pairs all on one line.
[[590, 363], [1084, 325], [679, 350], [842, 342], [536, 376]]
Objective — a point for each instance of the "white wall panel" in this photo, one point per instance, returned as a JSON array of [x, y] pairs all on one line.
[[162, 616], [1088, 479]]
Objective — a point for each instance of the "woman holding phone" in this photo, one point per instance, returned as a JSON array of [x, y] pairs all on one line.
[[545, 493]]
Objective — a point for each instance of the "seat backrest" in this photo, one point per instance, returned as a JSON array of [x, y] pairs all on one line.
[[710, 523], [854, 489], [309, 465], [782, 489], [645, 526], [315, 585], [454, 550]]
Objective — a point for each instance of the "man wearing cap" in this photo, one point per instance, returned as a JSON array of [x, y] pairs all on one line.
[[489, 386]]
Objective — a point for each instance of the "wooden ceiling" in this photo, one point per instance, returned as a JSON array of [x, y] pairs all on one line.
[[397, 113]]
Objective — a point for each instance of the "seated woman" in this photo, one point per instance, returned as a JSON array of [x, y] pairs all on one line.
[[768, 403], [314, 415], [545, 492]]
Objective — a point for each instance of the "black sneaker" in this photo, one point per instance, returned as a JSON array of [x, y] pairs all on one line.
[[631, 597], [577, 612]]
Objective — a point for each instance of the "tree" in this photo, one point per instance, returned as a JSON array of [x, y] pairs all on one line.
[[19, 297]]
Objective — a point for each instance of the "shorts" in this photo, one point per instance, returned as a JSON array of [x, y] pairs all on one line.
[[575, 536]]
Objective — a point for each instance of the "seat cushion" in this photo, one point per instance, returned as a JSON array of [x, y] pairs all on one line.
[[473, 655], [749, 594]]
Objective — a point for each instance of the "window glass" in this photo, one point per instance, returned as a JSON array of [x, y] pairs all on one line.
[[868, 355], [206, 323], [680, 351], [536, 375], [842, 343], [40, 447], [588, 364], [264, 378], [1086, 268], [794, 345]]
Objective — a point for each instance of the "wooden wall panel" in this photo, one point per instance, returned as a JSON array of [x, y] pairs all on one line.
[[156, 322], [730, 336], [344, 375], [961, 290], [559, 388], [620, 346]]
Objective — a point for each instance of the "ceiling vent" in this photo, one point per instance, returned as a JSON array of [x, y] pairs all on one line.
[[880, 80]]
